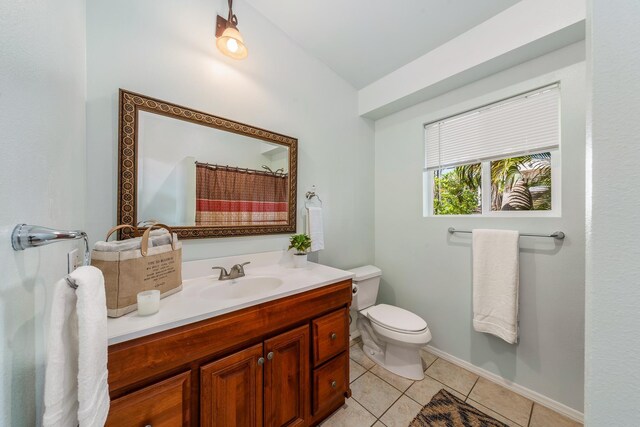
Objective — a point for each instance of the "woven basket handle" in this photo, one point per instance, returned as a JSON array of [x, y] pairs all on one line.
[[144, 246], [119, 227]]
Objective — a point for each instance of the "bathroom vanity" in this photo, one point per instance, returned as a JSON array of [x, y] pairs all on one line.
[[270, 349]]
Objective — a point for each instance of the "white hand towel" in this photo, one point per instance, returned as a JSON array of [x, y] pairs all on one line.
[[495, 283], [118, 245], [158, 238], [314, 228], [76, 390]]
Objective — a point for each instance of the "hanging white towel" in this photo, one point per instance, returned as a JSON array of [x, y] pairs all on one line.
[[495, 283], [76, 390], [314, 228]]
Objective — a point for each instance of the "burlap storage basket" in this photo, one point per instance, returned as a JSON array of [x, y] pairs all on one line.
[[129, 272]]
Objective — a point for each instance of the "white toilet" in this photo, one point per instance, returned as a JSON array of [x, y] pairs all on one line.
[[391, 336]]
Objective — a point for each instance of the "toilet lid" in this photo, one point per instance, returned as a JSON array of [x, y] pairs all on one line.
[[396, 318]]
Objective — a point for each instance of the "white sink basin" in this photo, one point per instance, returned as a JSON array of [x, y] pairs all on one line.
[[241, 288]]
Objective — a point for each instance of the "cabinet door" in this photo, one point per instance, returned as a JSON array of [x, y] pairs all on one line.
[[286, 377], [231, 390], [163, 404]]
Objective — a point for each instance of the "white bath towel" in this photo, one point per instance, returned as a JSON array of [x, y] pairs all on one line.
[[76, 390], [158, 238], [495, 283], [315, 228]]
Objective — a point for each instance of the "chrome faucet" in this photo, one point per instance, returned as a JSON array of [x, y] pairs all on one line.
[[235, 271]]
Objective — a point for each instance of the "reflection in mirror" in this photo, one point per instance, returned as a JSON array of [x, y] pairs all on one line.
[[203, 175], [195, 175]]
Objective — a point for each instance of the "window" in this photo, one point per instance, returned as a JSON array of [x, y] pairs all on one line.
[[501, 159]]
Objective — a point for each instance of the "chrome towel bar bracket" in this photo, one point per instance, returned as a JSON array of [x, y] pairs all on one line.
[[31, 236], [559, 235]]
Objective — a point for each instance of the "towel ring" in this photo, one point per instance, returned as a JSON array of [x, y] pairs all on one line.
[[309, 195]]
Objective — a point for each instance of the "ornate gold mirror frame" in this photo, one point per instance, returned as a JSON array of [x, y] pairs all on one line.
[[130, 105]]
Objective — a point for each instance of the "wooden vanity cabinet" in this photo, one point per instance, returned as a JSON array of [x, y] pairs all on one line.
[[163, 404], [231, 390], [286, 379], [281, 363]]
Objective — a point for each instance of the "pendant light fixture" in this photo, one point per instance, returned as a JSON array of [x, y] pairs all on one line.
[[229, 40]]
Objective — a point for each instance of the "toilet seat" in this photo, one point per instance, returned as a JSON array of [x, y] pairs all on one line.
[[396, 319]]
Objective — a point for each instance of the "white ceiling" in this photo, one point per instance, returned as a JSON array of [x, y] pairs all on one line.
[[363, 40]]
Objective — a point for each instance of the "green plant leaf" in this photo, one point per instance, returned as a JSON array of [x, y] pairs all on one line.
[[300, 242]]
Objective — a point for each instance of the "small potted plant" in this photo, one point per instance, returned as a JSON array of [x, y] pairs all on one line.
[[301, 243]]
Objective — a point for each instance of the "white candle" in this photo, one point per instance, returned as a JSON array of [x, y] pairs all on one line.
[[148, 302]]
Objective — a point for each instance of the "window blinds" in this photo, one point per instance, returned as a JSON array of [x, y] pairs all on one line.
[[524, 124]]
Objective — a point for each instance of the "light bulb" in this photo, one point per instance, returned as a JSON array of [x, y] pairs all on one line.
[[232, 45]]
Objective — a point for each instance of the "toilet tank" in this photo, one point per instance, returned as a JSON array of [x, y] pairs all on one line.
[[367, 282]]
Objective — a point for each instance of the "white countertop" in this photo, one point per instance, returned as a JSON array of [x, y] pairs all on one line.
[[191, 304]]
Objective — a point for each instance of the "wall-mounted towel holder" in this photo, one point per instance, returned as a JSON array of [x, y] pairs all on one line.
[[310, 195], [559, 235], [32, 236]]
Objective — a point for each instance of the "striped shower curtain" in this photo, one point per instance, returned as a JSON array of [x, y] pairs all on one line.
[[228, 196]]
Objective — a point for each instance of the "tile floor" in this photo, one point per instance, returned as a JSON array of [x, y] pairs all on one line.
[[382, 399]]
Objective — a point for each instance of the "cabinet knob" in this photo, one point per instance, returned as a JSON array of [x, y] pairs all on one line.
[[261, 361], [333, 336], [270, 355], [334, 384]]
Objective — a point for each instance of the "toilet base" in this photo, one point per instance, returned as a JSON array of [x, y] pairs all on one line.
[[403, 361]]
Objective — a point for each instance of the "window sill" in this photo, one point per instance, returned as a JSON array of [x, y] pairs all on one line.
[[503, 214]]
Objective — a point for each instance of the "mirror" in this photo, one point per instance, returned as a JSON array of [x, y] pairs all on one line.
[[202, 175]]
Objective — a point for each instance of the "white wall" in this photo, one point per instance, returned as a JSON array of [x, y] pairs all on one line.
[[613, 214], [535, 27], [167, 50], [42, 175], [429, 272]]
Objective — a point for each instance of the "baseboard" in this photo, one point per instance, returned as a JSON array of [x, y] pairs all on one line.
[[353, 335], [529, 394]]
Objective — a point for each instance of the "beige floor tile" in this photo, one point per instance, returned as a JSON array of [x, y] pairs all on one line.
[[453, 376], [374, 394], [401, 413], [502, 401], [545, 417], [397, 381], [427, 358], [355, 370], [493, 414], [422, 391], [351, 414], [379, 424], [356, 353]]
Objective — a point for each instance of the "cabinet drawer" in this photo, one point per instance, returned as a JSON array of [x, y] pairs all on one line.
[[163, 404], [330, 382], [330, 336]]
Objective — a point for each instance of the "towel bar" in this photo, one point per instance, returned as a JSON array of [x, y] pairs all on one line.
[[559, 235], [31, 236]]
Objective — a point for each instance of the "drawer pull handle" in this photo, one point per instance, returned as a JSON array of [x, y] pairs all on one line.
[[261, 361], [334, 384], [333, 336], [270, 355]]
